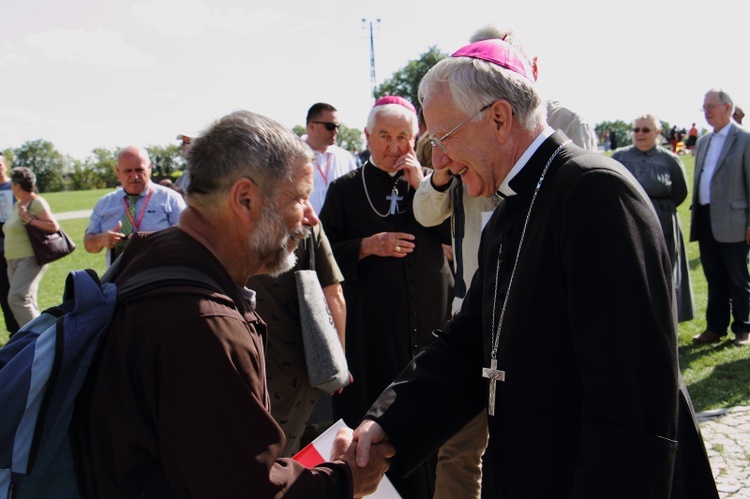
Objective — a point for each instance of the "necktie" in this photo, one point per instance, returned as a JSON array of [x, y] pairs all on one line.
[[459, 287], [127, 224]]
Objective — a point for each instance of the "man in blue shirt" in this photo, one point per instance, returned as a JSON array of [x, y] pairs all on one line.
[[139, 206]]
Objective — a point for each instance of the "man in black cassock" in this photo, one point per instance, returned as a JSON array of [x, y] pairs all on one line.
[[397, 282], [567, 336]]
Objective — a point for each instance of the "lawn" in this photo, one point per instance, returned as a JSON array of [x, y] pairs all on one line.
[[717, 376]]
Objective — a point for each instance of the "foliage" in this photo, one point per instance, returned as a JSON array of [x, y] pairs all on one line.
[[166, 159], [102, 163], [81, 177], [45, 161], [8, 153], [623, 132], [405, 81], [350, 138]]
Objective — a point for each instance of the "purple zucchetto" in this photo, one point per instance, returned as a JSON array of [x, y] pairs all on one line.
[[498, 52], [395, 99]]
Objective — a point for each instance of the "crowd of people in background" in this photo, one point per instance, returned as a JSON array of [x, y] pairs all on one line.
[[466, 259]]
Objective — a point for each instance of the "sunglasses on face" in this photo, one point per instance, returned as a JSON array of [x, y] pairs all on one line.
[[639, 130], [329, 126]]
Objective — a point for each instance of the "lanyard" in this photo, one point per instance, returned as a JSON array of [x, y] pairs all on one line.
[[328, 167], [136, 225]]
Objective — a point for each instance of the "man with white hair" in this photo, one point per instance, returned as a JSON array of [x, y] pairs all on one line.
[[397, 281], [566, 339], [138, 206]]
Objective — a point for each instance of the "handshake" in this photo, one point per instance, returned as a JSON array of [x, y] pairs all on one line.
[[365, 450]]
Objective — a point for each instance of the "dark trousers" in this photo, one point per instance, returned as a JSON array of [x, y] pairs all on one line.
[[727, 276], [10, 322]]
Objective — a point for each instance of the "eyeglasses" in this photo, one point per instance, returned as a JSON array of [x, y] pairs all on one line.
[[439, 142], [711, 106], [329, 126], [639, 130]]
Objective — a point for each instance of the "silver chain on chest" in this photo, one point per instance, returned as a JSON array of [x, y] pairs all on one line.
[[496, 332]]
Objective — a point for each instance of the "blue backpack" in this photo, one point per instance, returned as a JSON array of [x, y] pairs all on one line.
[[44, 366]]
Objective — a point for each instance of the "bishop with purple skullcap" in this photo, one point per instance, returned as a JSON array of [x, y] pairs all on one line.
[[498, 52], [395, 99]]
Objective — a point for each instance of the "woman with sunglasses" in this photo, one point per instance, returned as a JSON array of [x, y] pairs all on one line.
[[662, 175]]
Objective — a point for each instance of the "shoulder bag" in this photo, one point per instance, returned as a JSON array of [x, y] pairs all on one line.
[[48, 246], [326, 361]]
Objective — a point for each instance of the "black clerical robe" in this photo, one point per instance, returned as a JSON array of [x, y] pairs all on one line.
[[393, 304], [592, 393]]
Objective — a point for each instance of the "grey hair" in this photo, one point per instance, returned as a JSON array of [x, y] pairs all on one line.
[[724, 97], [398, 110], [474, 83], [23, 177], [245, 144], [490, 31], [651, 118]]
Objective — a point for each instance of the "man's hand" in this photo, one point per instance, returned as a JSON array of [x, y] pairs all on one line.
[[440, 178], [393, 244], [367, 476], [411, 167], [369, 435], [113, 236]]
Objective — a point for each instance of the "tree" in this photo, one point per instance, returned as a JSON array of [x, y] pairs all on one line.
[[82, 177], [45, 161], [8, 153], [102, 164], [165, 159], [350, 138], [405, 81], [623, 132]]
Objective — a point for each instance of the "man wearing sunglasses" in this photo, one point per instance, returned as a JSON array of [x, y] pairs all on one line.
[[331, 161]]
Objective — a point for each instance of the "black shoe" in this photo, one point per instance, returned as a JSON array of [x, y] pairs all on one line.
[[706, 337]]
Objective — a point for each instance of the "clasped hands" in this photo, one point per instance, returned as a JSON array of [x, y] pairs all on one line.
[[368, 453]]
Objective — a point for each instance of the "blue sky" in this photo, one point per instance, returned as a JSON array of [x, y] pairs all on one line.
[[85, 74]]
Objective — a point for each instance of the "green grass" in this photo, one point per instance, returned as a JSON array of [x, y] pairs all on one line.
[[717, 376], [73, 201], [53, 281]]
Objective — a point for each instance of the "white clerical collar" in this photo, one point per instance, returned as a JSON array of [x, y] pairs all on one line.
[[504, 188], [391, 173]]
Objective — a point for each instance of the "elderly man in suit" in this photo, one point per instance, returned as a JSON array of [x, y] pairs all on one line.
[[721, 220]]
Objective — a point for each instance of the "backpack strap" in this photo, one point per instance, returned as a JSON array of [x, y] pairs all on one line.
[[161, 276]]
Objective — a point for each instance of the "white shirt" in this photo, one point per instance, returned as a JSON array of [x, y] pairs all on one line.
[[715, 145], [525, 157], [329, 166]]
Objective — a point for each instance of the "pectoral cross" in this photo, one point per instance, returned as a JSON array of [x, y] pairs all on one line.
[[494, 376], [394, 198]]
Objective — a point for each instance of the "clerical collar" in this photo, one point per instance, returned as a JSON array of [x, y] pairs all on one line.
[[504, 188], [391, 174]]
